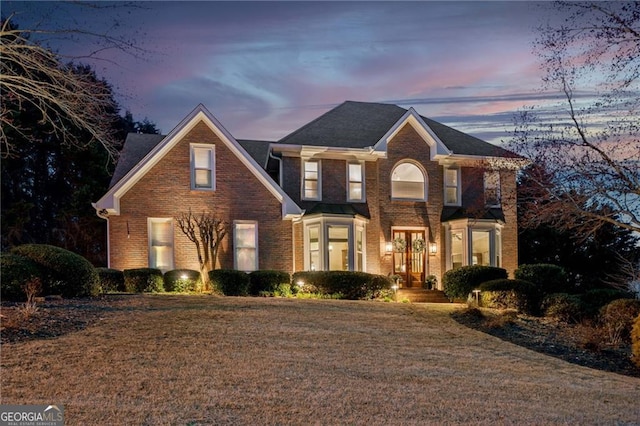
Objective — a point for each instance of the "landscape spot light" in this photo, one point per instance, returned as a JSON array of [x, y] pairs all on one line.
[[476, 292]]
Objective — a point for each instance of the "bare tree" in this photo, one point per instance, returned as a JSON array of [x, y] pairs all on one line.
[[588, 146], [206, 232]]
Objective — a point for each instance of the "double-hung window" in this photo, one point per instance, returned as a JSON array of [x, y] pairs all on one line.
[[245, 243], [203, 167], [160, 243], [311, 188], [355, 184], [452, 187], [408, 182]]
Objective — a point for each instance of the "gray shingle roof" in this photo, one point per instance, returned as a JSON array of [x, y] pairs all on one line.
[[136, 146], [362, 124], [259, 150]]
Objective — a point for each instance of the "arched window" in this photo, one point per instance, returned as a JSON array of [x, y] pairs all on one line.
[[408, 182]]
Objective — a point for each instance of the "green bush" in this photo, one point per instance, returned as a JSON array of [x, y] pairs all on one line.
[[458, 283], [563, 307], [143, 280], [15, 270], [182, 280], [63, 272], [111, 279], [635, 342], [268, 282], [596, 298], [520, 295], [230, 282], [548, 278], [351, 285], [617, 319]]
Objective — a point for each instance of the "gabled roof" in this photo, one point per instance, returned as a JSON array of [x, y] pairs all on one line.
[[363, 124], [143, 155]]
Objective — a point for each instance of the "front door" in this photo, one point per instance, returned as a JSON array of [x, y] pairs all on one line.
[[409, 256]]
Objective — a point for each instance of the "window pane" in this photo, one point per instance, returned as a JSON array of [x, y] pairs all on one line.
[[492, 188], [451, 177], [245, 235], [355, 191], [338, 248], [311, 189], [452, 195], [161, 244], [480, 248], [202, 158], [359, 249], [203, 178], [314, 249], [355, 172], [411, 190], [407, 172], [456, 250], [246, 259]]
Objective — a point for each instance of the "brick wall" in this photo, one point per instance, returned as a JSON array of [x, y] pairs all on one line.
[[164, 192]]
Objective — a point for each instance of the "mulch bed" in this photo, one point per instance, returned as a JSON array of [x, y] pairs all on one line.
[[573, 343], [580, 344]]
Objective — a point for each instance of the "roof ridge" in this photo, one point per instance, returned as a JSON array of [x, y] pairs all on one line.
[[299, 129]]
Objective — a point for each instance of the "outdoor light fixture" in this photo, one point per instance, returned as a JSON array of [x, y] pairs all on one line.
[[388, 247], [433, 248]]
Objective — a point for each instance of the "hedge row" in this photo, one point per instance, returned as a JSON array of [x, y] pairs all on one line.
[[350, 285], [520, 295], [458, 283]]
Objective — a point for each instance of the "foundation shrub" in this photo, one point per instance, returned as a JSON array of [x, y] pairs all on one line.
[[458, 283], [111, 280], [269, 283], [564, 307], [548, 278], [230, 282], [182, 280], [62, 272], [617, 319], [16, 271], [143, 280], [635, 342], [351, 285], [520, 295]]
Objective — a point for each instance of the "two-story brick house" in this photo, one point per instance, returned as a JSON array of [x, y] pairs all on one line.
[[366, 187]]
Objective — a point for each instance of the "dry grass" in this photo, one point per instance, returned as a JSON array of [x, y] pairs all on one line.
[[180, 360]]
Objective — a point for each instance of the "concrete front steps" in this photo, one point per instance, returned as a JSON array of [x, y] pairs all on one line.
[[421, 295]]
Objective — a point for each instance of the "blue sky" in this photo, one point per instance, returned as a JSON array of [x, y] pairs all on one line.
[[266, 68]]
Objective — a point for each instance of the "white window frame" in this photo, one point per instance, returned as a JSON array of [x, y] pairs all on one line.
[[212, 153], [323, 224], [467, 227], [150, 223], [361, 182], [492, 183], [304, 180], [424, 181], [457, 186], [236, 246]]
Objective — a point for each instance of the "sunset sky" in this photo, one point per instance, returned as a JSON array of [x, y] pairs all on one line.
[[266, 68]]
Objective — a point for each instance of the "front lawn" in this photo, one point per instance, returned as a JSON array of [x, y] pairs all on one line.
[[165, 359]]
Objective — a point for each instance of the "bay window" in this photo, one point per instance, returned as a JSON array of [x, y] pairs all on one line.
[[473, 242], [334, 244]]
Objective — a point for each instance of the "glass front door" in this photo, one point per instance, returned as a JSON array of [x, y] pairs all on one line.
[[409, 256]]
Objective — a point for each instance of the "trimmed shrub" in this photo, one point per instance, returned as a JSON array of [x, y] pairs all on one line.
[[635, 342], [520, 295], [230, 282], [458, 283], [111, 279], [563, 307], [617, 319], [268, 283], [15, 270], [63, 272], [548, 278], [143, 280], [182, 280], [596, 298], [350, 285]]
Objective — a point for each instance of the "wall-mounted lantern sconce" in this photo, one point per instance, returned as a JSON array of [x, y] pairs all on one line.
[[433, 249], [388, 247]]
